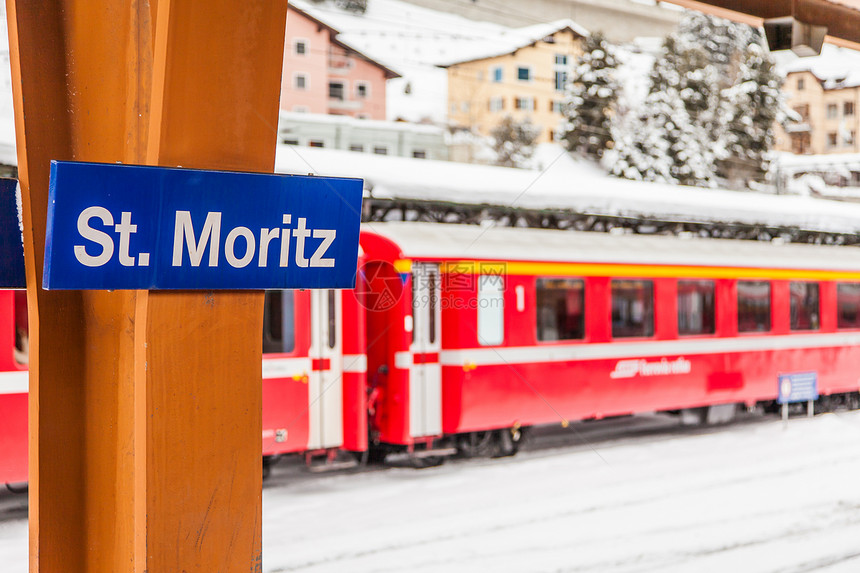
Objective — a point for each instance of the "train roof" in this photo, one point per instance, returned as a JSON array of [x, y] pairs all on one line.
[[472, 242]]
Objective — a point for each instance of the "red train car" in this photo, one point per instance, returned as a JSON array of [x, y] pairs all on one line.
[[509, 328], [458, 338]]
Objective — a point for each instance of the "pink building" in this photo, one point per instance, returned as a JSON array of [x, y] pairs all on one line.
[[325, 75]]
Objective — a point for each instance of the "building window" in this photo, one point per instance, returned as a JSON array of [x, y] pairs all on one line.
[[560, 309], [560, 80], [632, 308], [832, 139], [848, 108], [804, 306], [696, 307], [497, 75], [316, 143], [800, 84], [362, 90], [524, 73], [560, 60], [849, 138], [356, 147], [753, 306], [300, 81], [290, 141], [491, 310], [380, 150], [279, 322], [300, 109], [525, 103], [832, 111], [848, 305], [556, 106], [497, 103], [419, 154], [803, 111], [336, 90], [300, 47], [464, 107]]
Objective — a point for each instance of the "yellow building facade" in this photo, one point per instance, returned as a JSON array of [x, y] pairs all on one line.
[[526, 81], [827, 115]]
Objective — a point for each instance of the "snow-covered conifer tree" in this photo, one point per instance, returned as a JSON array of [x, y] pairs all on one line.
[[514, 141], [591, 96]]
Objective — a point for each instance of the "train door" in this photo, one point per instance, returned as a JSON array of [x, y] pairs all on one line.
[[325, 392], [425, 373]]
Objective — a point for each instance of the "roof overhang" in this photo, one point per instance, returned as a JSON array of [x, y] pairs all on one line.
[[841, 17]]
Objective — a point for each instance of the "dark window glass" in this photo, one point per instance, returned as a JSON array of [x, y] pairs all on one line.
[[524, 74], [753, 306], [804, 306], [632, 308], [279, 333], [301, 48], [848, 305], [380, 150], [22, 329], [332, 320], [431, 317], [316, 143], [560, 309], [335, 90], [696, 307]]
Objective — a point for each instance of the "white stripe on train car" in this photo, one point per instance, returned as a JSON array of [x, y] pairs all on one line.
[[403, 360], [641, 349], [286, 367], [355, 363], [17, 382]]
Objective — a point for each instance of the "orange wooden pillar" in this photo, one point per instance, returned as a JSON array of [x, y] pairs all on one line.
[[144, 407]]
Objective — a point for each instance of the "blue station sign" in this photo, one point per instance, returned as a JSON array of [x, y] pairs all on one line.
[[798, 387], [113, 226], [11, 243]]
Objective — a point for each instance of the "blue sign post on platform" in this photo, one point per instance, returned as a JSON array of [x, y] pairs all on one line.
[[11, 243], [797, 387], [113, 226]]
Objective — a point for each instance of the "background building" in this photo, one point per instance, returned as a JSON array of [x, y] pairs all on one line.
[[522, 79], [824, 93], [323, 74], [363, 135]]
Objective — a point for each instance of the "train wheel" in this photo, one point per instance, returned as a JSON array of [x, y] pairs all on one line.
[[475, 444]]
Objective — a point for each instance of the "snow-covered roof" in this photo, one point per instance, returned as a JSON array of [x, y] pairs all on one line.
[[566, 183], [836, 67], [514, 39], [307, 12], [437, 240]]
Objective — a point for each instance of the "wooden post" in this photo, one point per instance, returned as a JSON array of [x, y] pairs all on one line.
[[144, 407]]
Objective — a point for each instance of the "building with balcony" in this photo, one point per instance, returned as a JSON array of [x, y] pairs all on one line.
[[522, 76], [824, 94], [323, 74]]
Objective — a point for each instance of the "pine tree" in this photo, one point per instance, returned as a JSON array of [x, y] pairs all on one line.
[[513, 141], [591, 97], [753, 105]]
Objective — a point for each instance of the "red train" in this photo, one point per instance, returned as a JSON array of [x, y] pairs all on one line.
[[458, 338]]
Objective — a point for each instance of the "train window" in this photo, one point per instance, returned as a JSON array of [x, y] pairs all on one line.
[[804, 306], [491, 310], [279, 322], [332, 320], [632, 308], [431, 316], [560, 309], [848, 305], [22, 329], [753, 306], [696, 307]]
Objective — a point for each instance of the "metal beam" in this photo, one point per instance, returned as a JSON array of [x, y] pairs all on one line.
[[842, 18]]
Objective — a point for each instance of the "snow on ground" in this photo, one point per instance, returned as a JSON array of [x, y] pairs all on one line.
[[752, 497]]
